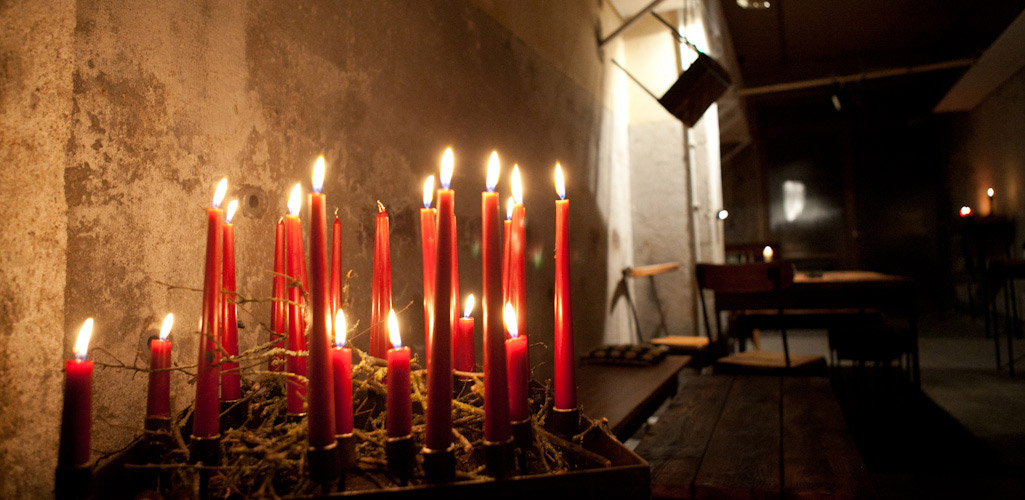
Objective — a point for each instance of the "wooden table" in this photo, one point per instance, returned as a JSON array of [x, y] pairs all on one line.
[[753, 437], [840, 291], [627, 395]]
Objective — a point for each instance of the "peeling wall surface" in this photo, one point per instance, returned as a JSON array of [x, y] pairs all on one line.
[[118, 118]]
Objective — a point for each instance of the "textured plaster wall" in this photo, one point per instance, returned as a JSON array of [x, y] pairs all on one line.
[[35, 105], [127, 114]]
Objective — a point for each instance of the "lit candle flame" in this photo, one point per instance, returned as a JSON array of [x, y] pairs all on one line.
[[560, 182], [295, 199], [517, 185], [318, 174], [493, 170], [767, 253], [447, 164], [990, 192], [468, 310], [222, 189], [82, 342], [230, 213], [340, 329], [509, 208], [966, 211], [428, 191], [165, 328], [510, 320], [393, 329]]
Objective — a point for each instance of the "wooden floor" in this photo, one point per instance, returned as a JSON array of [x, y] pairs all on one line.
[[753, 437]]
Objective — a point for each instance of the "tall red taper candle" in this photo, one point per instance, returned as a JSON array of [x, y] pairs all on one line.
[[341, 366], [519, 371], [429, 249], [496, 389], [320, 399], [76, 417], [506, 224], [517, 258], [158, 398], [336, 265], [296, 265], [565, 370], [231, 380], [206, 416], [380, 300], [453, 304], [279, 308], [399, 419], [439, 375], [465, 358]]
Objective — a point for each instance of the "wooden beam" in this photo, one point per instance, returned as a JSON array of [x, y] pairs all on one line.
[[868, 75]]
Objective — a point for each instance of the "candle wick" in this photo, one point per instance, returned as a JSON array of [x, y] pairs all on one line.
[[380, 206], [281, 219], [336, 212]]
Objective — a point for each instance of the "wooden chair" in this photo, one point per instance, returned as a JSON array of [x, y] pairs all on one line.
[[738, 287]]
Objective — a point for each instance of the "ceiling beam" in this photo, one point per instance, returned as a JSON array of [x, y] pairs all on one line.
[[1001, 60], [868, 75]]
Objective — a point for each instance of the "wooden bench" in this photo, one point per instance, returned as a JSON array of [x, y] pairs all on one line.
[[753, 437], [627, 395]]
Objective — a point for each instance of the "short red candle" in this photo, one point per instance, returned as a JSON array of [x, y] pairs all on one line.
[[76, 417], [321, 396], [496, 389], [158, 398], [336, 265], [465, 359], [519, 371], [399, 418], [439, 373], [429, 243], [296, 264], [231, 381], [206, 416], [341, 367], [380, 300], [279, 307], [565, 370]]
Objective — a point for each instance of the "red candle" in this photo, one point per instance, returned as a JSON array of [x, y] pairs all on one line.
[[506, 224], [380, 301], [231, 381], [296, 321], [399, 419], [429, 245], [341, 366], [321, 397], [517, 257], [158, 399], [439, 374], [279, 306], [565, 370], [206, 417], [454, 298], [76, 418], [519, 371], [496, 390], [336, 265], [465, 357]]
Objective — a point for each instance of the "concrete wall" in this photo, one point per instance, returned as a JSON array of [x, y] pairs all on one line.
[[118, 118]]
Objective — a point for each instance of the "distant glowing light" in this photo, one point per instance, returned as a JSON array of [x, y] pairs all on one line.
[[965, 211], [794, 198], [767, 253], [493, 170], [990, 192], [165, 328], [723, 214]]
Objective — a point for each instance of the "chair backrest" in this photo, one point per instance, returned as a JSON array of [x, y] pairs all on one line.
[[745, 278]]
